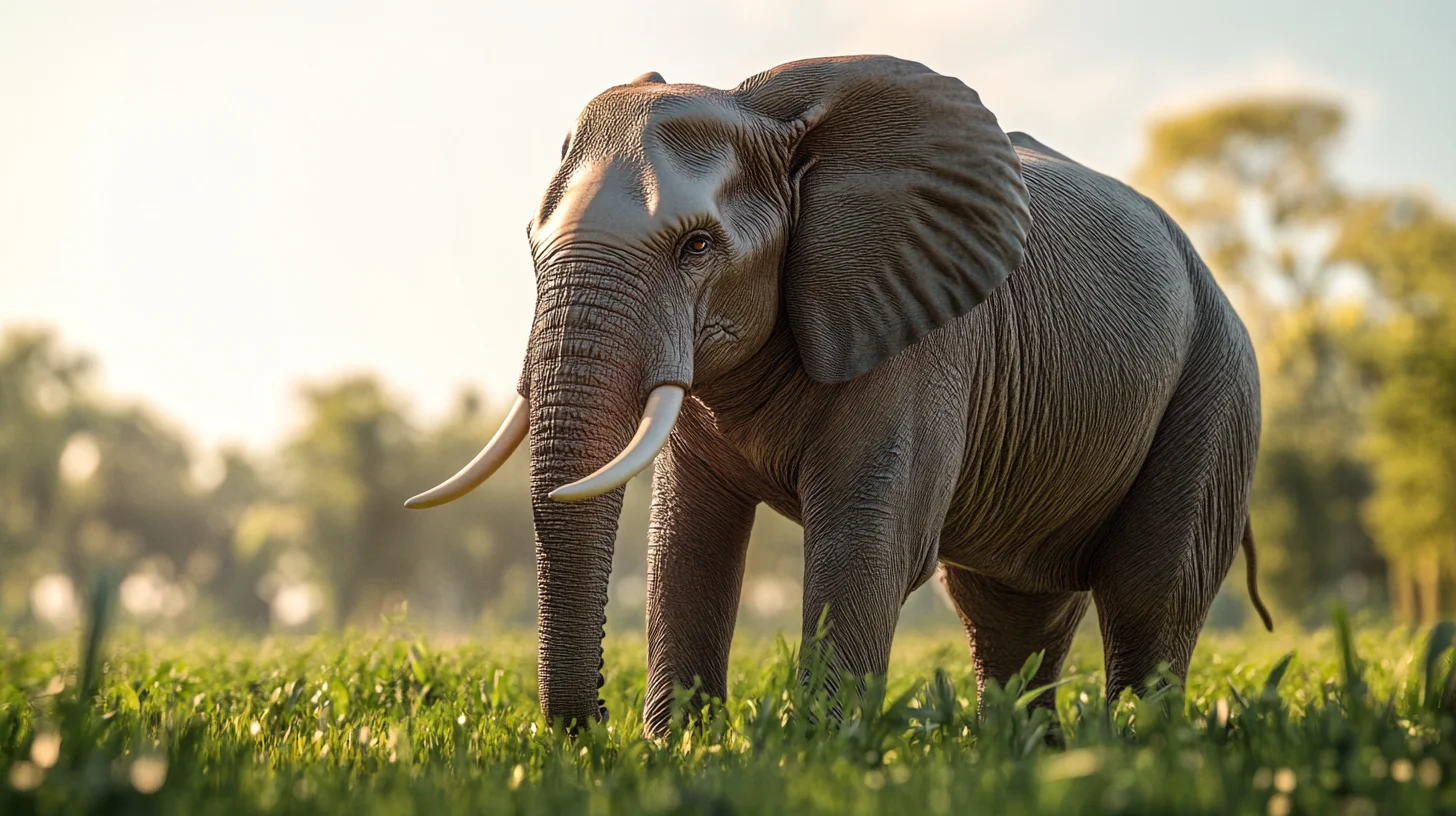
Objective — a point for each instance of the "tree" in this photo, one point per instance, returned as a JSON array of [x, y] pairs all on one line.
[[1250, 182], [346, 473], [1408, 347], [85, 484], [142, 491], [233, 566], [43, 406], [478, 554]]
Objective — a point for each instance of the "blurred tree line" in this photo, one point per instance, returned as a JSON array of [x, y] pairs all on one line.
[[313, 533], [1350, 299]]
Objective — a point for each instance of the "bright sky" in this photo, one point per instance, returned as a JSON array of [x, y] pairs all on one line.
[[221, 199]]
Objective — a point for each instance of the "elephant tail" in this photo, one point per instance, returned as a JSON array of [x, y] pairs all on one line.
[[1251, 569]]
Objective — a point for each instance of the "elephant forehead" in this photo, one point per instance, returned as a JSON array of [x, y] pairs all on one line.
[[633, 184], [629, 119]]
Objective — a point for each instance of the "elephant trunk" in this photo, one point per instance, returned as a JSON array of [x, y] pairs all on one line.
[[593, 358], [573, 426]]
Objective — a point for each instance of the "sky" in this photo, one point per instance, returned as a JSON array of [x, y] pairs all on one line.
[[221, 200]]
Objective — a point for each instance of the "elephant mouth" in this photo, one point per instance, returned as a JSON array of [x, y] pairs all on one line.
[[663, 405]]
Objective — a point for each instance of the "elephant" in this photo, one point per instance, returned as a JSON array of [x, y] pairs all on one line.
[[842, 290]]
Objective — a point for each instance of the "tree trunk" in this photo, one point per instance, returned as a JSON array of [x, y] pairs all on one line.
[[1401, 591], [1430, 580]]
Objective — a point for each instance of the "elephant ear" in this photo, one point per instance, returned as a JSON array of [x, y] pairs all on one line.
[[911, 208]]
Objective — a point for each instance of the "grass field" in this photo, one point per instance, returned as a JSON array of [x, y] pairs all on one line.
[[1352, 724]]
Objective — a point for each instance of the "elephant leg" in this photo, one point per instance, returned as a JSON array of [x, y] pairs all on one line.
[[1145, 627], [1169, 545], [859, 603], [1005, 627], [875, 484], [855, 579], [697, 544], [870, 538]]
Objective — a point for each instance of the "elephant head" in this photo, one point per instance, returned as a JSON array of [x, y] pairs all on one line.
[[862, 201]]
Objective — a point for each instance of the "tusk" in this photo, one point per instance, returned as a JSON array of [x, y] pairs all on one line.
[[488, 461], [657, 418]]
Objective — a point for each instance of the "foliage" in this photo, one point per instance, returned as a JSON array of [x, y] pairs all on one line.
[[1407, 345], [84, 483], [1250, 180], [1351, 723], [39, 413], [313, 534]]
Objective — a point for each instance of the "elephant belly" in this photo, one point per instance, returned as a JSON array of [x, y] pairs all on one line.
[[1057, 431], [1033, 531]]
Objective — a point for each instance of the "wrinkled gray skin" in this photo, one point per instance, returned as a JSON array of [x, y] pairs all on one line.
[[925, 341]]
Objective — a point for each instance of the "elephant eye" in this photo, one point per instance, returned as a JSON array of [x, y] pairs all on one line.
[[697, 245]]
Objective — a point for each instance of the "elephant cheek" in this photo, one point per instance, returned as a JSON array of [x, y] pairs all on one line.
[[738, 321]]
